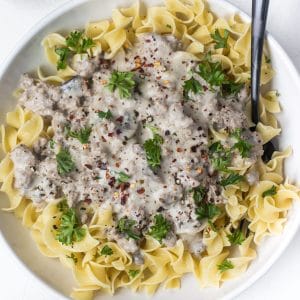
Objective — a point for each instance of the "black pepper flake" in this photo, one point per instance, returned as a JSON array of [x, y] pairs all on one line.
[[167, 132], [101, 165], [90, 167], [118, 131], [112, 182]]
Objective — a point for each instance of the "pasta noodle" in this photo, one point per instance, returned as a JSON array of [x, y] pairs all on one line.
[[193, 24]]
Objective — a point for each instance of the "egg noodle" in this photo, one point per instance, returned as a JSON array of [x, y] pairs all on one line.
[[192, 23]]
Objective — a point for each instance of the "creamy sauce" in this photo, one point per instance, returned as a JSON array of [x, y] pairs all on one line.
[[116, 144]]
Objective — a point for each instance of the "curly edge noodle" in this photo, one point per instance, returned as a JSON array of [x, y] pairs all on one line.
[[192, 23]]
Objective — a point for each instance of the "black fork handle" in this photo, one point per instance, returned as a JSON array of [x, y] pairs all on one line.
[[259, 20]]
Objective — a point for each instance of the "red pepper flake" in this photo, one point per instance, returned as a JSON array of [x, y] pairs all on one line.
[[110, 134], [124, 186], [124, 199], [179, 149], [71, 117], [88, 166], [103, 139], [205, 88], [112, 182], [87, 201], [120, 119], [117, 164], [141, 191]]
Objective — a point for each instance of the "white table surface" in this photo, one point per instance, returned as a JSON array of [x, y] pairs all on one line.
[[282, 280]]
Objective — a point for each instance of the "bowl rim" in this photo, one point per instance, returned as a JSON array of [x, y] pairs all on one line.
[[70, 4]]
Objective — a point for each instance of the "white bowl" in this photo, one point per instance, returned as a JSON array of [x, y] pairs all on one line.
[[56, 278]]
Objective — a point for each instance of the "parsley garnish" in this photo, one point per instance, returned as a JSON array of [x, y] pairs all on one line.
[[75, 43], [268, 59], [221, 42], [199, 194], [73, 257], [160, 228], [123, 82], [82, 135], [225, 265], [211, 72], [69, 229], [270, 192], [105, 115], [212, 225], [231, 88], [65, 163], [78, 43], [106, 250], [207, 211], [52, 144], [153, 149], [233, 178], [125, 226], [63, 205], [220, 157], [63, 54], [241, 145], [236, 238], [122, 177], [133, 273], [191, 85]]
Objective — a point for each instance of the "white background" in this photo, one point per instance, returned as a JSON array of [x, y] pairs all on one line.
[[282, 280]]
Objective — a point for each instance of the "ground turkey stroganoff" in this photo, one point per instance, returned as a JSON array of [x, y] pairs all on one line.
[[134, 133]]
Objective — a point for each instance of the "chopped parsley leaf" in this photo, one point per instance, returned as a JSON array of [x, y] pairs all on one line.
[[233, 178], [123, 82], [63, 54], [199, 193], [106, 250], [75, 43], [52, 144], [231, 88], [125, 226], [220, 157], [133, 273], [221, 42], [153, 150], [236, 238], [160, 228], [78, 43], [65, 163], [105, 115], [191, 85], [69, 230], [82, 135], [73, 257], [122, 177], [212, 72], [212, 225], [63, 205], [241, 145], [270, 192], [225, 265], [207, 211]]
